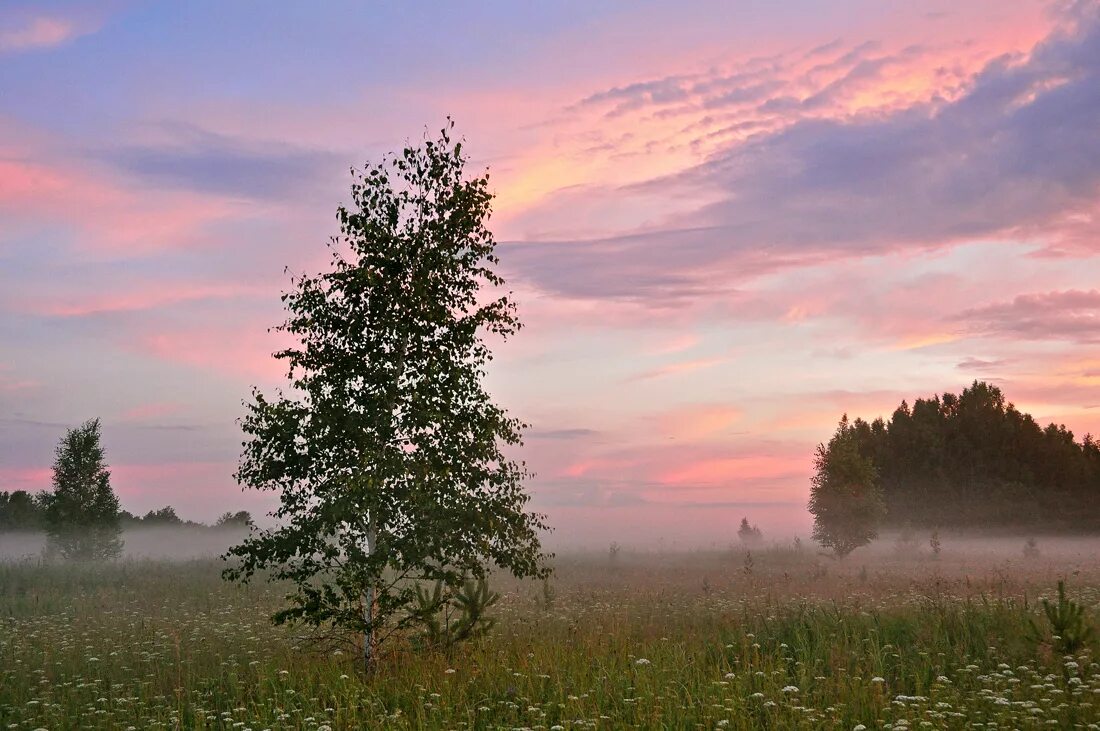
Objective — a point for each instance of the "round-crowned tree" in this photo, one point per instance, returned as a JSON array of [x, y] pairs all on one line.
[[388, 453], [845, 498]]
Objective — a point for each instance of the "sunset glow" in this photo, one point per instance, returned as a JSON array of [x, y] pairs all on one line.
[[725, 227]]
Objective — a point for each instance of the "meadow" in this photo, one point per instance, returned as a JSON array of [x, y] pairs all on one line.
[[889, 638]]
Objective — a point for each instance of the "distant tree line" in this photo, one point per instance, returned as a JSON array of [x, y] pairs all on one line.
[[81, 515], [974, 460], [22, 510]]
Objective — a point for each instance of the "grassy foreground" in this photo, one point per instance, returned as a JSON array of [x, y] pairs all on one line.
[[707, 640]]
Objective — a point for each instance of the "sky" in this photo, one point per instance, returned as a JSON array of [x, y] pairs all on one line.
[[725, 224]]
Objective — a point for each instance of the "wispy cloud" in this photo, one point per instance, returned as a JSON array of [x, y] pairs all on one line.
[[970, 163], [37, 33], [211, 163], [1072, 315], [671, 369]]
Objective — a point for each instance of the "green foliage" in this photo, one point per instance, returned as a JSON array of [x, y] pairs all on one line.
[[81, 514], [164, 516], [242, 518], [844, 496], [972, 459], [20, 511], [1070, 629], [388, 458], [448, 616]]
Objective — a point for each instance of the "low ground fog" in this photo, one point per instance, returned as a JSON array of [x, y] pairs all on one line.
[[171, 543]]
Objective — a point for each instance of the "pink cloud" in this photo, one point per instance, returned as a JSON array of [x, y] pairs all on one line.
[[31, 479], [671, 369], [1072, 315], [749, 469], [727, 470], [110, 216], [11, 383], [22, 182], [198, 490], [698, 421], [38, 33], [234, 351], [140, 297]]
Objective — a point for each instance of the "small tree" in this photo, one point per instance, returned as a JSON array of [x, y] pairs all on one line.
[[240, 519], [844, 496], [388, 459], [750, 535], [81, 514]]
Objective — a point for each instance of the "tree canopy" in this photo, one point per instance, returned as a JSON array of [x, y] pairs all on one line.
[[845, 498], [81, 515], [388, 455], [975, 460], [19, 510]]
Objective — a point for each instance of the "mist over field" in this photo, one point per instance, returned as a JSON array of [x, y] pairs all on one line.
[[982, 551], [167, 543]]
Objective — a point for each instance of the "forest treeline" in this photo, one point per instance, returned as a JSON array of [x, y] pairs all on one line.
[[975, 461], [21, 510]]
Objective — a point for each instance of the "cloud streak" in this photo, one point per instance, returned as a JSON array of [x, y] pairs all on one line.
[[984, 163], [209, 163], [1072, 315], [37, 33]]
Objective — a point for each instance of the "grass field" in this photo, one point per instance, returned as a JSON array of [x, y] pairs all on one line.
[[692, 640]]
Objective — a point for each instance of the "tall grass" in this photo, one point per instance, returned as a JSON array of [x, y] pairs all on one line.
[[645, 641]]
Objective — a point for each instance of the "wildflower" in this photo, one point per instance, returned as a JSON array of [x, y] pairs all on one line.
[[878, 679], [859, 727], [450, 671], [790, 688], [642, 661]]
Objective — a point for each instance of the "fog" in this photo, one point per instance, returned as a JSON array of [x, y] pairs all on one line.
[[184, 543], [160, 543], [980, 550]]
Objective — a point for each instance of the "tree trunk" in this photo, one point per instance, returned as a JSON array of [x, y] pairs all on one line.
[[368, 608], [370, 635]]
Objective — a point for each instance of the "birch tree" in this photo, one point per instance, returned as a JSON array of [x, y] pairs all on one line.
[[387, 453]]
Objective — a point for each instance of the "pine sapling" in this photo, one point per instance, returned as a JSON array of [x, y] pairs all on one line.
[[1070, 630]]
